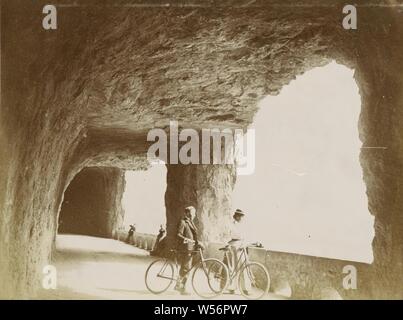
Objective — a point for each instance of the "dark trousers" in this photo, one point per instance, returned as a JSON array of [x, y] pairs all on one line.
[[186, 263]]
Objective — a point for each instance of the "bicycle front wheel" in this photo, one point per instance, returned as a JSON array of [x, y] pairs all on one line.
[[210, 278], [159, 276], [253, 281]]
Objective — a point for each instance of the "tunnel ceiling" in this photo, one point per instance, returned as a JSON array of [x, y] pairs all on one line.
[[109, 74], [134, 68], [198, 67]]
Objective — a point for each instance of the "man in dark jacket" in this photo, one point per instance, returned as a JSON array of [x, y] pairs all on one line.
[[187, 242]]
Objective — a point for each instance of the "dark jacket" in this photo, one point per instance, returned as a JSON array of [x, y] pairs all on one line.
[[186, 231]]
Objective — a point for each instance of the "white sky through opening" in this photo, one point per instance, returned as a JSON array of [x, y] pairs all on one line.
[[307, 194], [143, 199]]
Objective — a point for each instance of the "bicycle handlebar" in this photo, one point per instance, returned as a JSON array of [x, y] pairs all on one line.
[[255, 245]]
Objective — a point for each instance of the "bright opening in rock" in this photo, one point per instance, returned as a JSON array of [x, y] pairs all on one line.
[[308, 191], [144, 199]]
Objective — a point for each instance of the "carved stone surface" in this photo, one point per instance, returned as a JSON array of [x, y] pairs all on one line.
[[208, 188], [87, 93]]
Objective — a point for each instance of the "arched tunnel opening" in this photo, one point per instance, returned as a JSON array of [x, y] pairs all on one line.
[[100, 201], [92, 203], [100, 204], [309, 196]]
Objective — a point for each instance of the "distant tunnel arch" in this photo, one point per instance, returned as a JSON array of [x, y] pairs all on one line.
[[92, 203]]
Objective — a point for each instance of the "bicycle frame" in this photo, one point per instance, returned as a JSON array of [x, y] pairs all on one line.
[[242, 260], [163, 268], [161, 272]]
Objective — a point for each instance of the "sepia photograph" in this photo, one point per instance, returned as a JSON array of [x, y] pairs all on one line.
[[203, 150]]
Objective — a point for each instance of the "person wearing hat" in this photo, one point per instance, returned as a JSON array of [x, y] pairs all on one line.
[[237, 234], [236, 243]]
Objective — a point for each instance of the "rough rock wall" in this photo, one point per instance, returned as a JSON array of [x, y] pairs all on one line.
[[381, 167], [379, 76], [92, 203], [208, 188], [86, 93]]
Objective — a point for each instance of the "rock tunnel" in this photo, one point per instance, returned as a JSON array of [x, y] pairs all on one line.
[[92, 203], [88, 93]]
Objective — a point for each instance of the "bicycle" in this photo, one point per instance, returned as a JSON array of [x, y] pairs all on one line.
[[209, 278], [253, 277]]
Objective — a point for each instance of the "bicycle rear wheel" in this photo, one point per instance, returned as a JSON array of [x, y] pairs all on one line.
[[254, 280], [159, 276], [210, 278]]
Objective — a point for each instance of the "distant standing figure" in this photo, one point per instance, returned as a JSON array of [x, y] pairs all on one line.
[[158, 247], [161, 234], [130, 235]]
